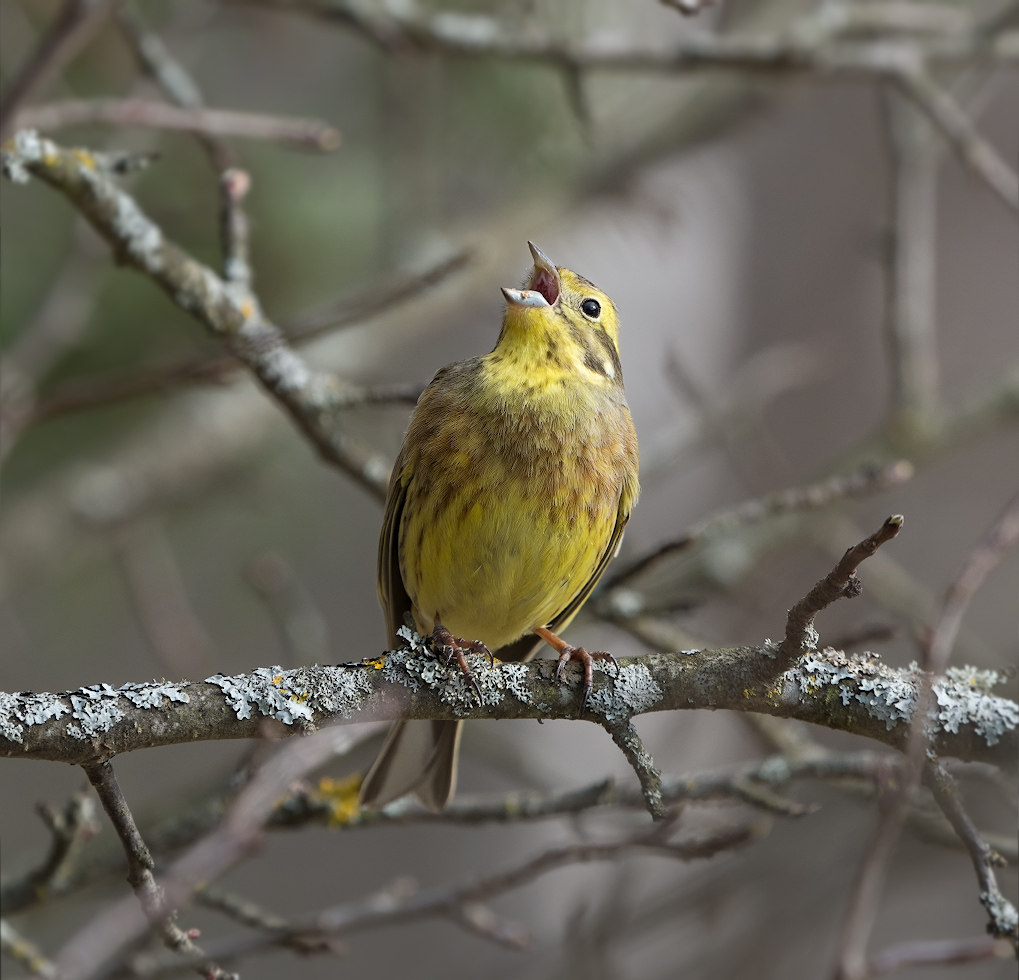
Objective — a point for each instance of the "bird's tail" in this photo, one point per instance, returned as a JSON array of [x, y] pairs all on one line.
[[419, 757]]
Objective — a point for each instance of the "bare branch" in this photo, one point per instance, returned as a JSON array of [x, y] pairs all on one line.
[[937, 952], [973, 150], [353, 311], [71, 30], [1003, 534], [1004, 921], [139, 873], [71, 830], [392, 907], [309, 134], [841, 582], [101, 939], [625, 736], [229, 312], [852, 956], [911, 265], [862, 482], [811, 45]]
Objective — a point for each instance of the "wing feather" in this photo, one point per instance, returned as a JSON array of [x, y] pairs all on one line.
[[392, 595]]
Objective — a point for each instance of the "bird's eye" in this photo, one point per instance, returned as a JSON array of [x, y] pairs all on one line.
[[591, 308]]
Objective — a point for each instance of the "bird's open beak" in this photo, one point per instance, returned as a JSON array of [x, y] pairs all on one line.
[[543, 287]]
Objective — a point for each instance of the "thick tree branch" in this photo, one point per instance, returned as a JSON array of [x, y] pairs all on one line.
[[857, 694]]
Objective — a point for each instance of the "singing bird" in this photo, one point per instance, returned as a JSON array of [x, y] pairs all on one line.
[[508, 500]]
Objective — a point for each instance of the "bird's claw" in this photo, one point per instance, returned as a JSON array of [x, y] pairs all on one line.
[[587, 659], [452, 648]]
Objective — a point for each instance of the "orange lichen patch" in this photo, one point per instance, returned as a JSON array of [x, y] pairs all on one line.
[[341, 796], [378, 663], [278, 679], [247, 309]]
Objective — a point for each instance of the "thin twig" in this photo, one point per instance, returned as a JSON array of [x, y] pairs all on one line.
[[140, 875], [978, 155], [1004, 533], [101, 939], [841, 582], [911, 266], [400, 905], [311, 134], [71, 30], [862, 482], [937, 952], [352, 311], [625, 736], [71, 829], [1004, 921]]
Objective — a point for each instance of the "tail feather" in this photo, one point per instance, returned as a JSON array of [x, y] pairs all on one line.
[[418, 757]]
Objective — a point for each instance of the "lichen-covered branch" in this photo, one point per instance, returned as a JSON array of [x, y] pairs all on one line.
[[229, 311], [857, 694]]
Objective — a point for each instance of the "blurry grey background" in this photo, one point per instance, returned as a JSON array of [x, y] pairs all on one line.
[[743, 241]]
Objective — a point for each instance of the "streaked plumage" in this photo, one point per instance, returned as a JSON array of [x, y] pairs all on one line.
[[508, 499]]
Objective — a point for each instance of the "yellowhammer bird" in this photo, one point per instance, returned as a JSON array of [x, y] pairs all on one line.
[[507, 502]]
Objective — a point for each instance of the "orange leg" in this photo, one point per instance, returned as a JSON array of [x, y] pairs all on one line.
[[568, 653], [453, 647]]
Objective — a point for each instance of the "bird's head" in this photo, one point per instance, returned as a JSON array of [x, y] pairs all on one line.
[[561, 318]]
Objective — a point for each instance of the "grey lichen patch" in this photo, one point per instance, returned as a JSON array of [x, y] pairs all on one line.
[[25, 147], [961, 697], [94, 710], [631, 691], [418, 667], [20, 710], [295, 696], [1003, 915], [141, 238]]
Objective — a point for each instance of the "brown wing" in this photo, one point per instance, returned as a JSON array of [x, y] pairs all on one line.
[[392, 595], [525, 647]]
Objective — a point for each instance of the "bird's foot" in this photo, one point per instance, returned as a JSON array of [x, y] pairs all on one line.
[[568, 653], [454, 648]]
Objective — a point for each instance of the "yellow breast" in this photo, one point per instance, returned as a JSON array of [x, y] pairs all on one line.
[[512, 499]]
